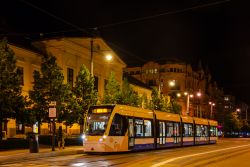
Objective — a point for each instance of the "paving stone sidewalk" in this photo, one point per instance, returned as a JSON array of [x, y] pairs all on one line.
[[24, 154]]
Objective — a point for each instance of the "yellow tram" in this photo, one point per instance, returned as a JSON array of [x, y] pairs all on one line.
[[119, 128]]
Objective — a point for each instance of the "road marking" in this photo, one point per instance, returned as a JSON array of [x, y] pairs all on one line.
[[192, 155]]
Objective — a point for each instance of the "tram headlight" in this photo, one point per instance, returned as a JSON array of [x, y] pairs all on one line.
[[104, 136], [83, 136]]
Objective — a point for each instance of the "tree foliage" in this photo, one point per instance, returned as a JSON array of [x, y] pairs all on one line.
[[12, 103], [127, 95], [48, 86], [84, 95], [112, 90], [158, 101]]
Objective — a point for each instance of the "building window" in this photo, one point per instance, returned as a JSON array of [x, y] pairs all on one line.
[[132, 72], [162, 70], [96, 83], [137, 72], [105, 83], [156, 70], [151, 83], [171, 70], [21, 75], [70, 76]]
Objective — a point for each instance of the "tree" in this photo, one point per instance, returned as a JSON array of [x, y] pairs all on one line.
[[143, 101], [11, 99], [158, 101], [173, 105], [84, 95], [48, 86], [112, 91], [127, 95]]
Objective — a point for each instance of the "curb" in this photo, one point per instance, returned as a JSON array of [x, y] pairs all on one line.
[[34, 156]]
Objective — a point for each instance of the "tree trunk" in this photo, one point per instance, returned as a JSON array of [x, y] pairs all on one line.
[[81, 126]]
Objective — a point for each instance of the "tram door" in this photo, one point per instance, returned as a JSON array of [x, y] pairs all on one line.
[[131, 139], [176, 132], [162, 133]]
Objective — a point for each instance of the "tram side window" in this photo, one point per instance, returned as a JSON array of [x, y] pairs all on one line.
[[187, 130], [170, 129], [213, 131], [117, 126], [148, 128], [176, 129], [198, 130], [201, 130], [205, 130], [139, 127]]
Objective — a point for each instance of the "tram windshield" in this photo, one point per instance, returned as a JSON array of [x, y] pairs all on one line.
[[97, 124], [97, 120]]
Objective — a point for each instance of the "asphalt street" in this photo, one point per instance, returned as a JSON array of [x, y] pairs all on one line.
[[226, 153]]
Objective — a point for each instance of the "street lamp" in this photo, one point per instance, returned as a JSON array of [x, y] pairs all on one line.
[[211, 109], [108, 57], [198, 94], [187, 100], [188, 96], [171, 83]]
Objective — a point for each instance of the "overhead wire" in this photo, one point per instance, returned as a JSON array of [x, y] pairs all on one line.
[[161, 14], [119, 23]]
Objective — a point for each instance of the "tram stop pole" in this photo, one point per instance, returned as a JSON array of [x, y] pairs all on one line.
[[52, 116]]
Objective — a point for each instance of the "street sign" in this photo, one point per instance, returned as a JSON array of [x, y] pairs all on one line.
[[52, 112]]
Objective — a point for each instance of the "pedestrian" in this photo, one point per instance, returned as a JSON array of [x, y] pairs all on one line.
[[60, 138]]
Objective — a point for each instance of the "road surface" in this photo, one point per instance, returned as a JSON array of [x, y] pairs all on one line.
[[226, 153]]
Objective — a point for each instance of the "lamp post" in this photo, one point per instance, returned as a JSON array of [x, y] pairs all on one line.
[[211, 108], [91, 57], [198, 105], [108, 57], [188, 95]]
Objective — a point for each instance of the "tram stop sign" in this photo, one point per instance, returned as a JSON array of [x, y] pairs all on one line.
[[52, 112]]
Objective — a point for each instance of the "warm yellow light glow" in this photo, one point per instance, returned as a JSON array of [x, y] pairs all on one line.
[[191, 96], [172, 83], [198, 94], [178, 95], [109, 57], [185, 93], [101, 110]]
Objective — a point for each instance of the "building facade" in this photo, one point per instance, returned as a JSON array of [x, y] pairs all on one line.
[[175, 76], [71, 53]]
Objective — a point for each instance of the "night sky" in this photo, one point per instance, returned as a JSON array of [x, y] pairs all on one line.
[[217, 32]]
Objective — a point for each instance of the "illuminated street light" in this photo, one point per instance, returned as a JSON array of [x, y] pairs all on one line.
[[109, 57], [178, 95], [211, 109], [198, 106], [172, 83], [187, 94]]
